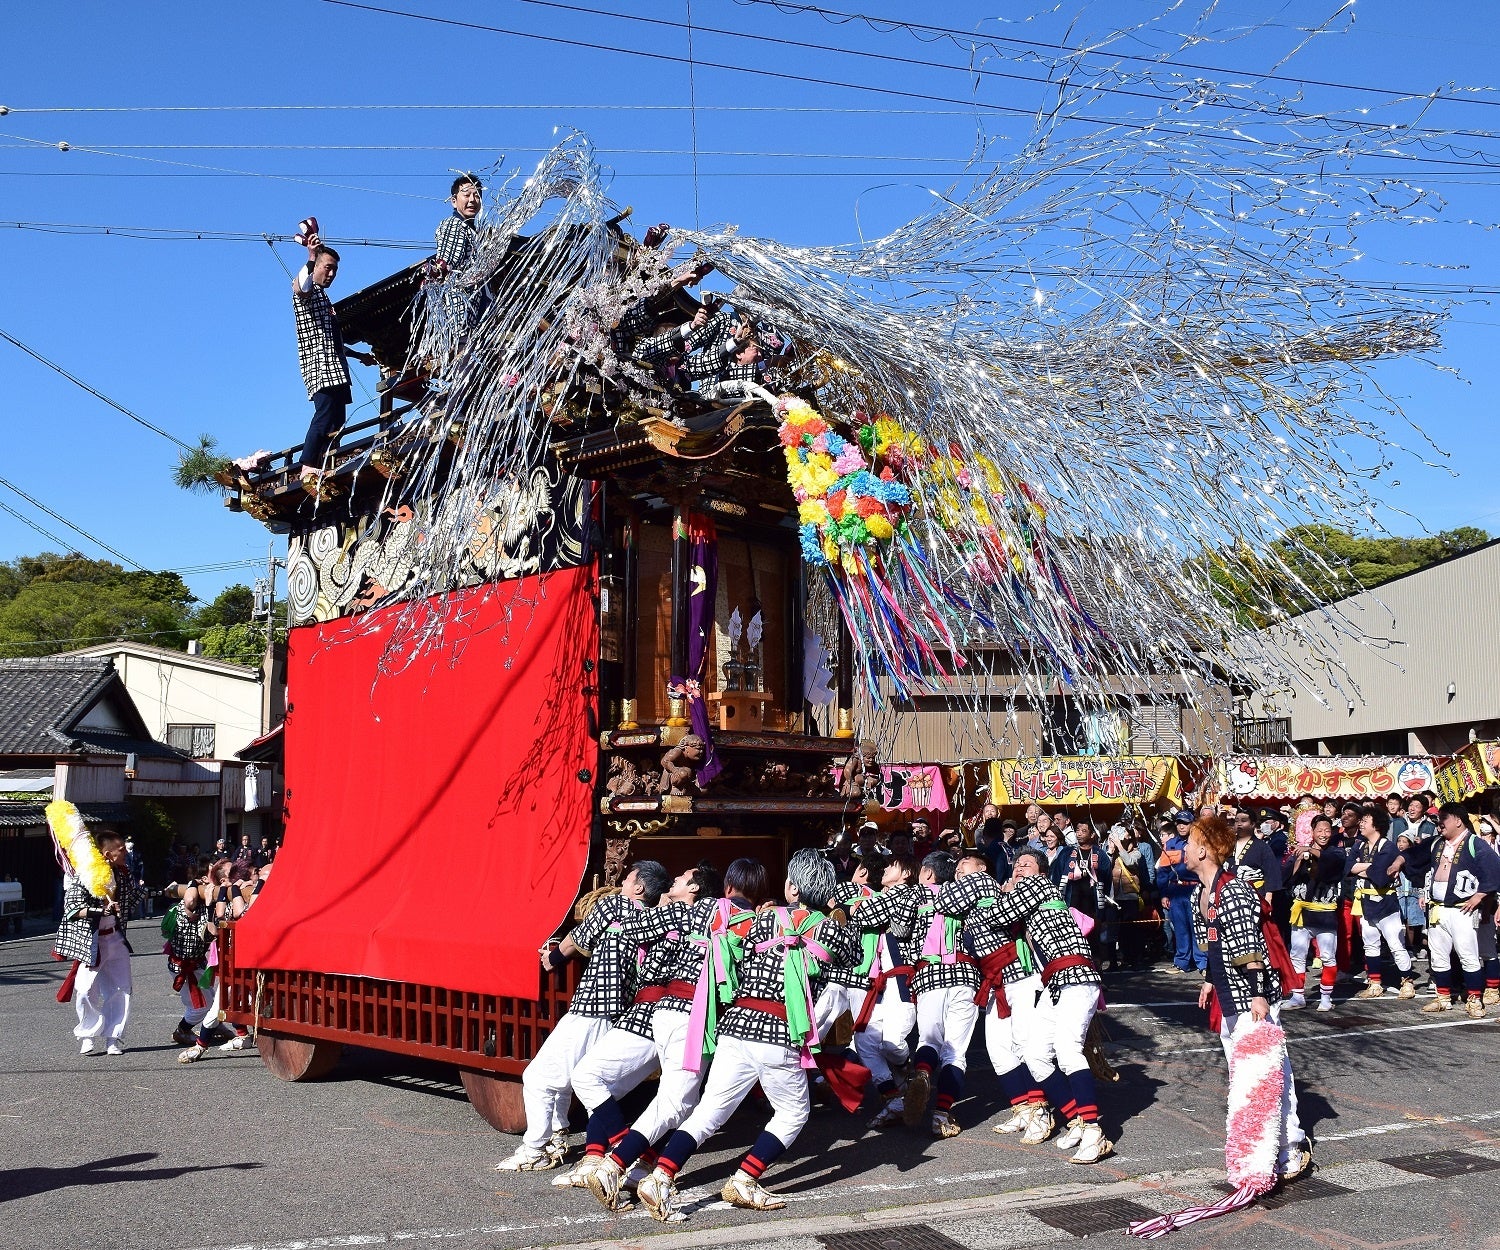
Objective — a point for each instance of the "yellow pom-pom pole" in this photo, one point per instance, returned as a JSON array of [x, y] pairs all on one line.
[[75, 841]]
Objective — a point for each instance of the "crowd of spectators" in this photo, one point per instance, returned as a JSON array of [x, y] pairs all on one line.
[[1130, 876]]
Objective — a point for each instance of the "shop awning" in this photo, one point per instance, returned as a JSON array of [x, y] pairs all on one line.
[[1472, 771], [1325, 777], [1071, 780]]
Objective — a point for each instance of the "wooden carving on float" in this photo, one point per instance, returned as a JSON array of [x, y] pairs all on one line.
[[680, 765], [861, 778], [530, 525]]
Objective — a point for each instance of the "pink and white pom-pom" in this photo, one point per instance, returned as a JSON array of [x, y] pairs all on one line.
[[1252, 1134]]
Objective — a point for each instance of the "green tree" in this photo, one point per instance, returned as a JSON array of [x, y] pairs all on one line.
[[240, 644], [1314, 564], [234, 605], [51, 603], [230, 630]]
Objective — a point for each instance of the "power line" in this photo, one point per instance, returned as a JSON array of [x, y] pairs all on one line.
[[602, 150], [531, 108], [123, 636], [26, 520], [191, 235], [779, 75], [1475, 176], [184, 234], [784, 76], [77, 529], [249, 173], [970, 70], [223, 566], [882, 25], [79, 382]]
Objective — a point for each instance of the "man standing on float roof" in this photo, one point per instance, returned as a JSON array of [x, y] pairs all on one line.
[[320, 351], [457, 241]]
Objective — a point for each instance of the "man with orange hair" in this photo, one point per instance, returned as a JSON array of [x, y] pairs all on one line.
[[1239, 979]]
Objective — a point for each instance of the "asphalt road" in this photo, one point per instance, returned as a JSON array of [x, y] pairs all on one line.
[[139, 1151]]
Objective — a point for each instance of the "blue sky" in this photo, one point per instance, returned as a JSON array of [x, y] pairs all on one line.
[[196, 336]]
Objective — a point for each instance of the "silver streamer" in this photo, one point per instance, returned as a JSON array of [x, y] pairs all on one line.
[[1154, 332]]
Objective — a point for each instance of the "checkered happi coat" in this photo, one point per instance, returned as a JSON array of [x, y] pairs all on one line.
[[1237, 930], [671, 955], [78, 938], [932, 973], [762, 975], [609, 981], [320, 346], [1050, 931], [851, 975], [971, 899], [189, 936], [457, 242]]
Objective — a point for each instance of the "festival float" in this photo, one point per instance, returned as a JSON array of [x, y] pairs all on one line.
[[573, 596]]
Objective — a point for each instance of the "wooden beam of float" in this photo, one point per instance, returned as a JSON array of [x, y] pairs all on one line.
[[682, 589], [630, 540], [845, 702]]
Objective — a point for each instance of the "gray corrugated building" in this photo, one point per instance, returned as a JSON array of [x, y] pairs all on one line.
[[1426, 680]]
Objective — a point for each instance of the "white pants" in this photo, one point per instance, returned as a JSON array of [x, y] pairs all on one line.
[[945, 1021], [1291, 1127], [1001, 1040], [1393, 931], [620, 1062], [833, 1001], [678, 1090], [193, 1015], [737, 1066], [1454, 931], [102, 995], [547, 1083], [1302, 943], [1056, 1031], [884, 1043]]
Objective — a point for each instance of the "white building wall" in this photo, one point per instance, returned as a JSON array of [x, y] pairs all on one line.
[[172, 688], [1424, 633]]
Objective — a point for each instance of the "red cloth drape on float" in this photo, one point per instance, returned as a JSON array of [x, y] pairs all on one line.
[[437, 823]]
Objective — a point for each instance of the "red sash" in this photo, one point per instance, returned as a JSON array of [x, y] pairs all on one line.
[[190, 968], [992, 979], [1053, 966], [1276, 953], [959, 958], [768, 1005], [846, 1079], [65, 990], [878, 983]]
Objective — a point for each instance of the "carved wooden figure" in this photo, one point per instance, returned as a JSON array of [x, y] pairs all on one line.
[[680, 765], [861, 774]]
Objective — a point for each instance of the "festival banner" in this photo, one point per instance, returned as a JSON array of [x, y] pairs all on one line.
[[1472, 771], [1325, 777], [909, 787], [1058, 780]]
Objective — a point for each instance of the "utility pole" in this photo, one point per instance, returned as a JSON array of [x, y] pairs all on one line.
[[265, 604]]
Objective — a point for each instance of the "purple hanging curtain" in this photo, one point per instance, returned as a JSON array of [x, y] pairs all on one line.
[[703, 589]]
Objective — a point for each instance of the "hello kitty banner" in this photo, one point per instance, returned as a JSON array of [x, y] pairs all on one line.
[[1325, 777]]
